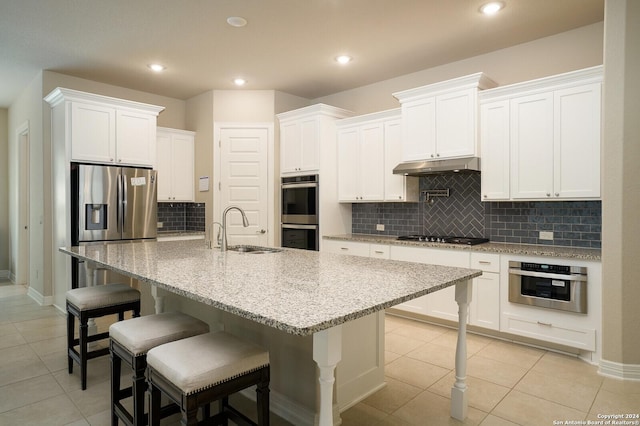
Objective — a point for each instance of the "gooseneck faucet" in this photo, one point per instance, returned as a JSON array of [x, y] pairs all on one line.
[[245, 223]]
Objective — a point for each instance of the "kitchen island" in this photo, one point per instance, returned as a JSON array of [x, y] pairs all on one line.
[[301, 293]]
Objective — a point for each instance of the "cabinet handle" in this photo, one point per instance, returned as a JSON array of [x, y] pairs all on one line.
[[378, 251], [547, 324], [344, 248], [484, 262]]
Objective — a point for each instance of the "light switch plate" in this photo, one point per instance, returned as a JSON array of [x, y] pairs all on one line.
[[160, 224], [546, 235], [380, 227]]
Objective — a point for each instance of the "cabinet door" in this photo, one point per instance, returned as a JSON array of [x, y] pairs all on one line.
[[93, 133], [577, 142], [485, 303], [456, 124], [290, 147], [183, 168], [163, 166], [494, 143], [136, 138], [346, 247], [309, 145], [532, 146], [419, 129], [394, 185], [348, 188], [371, 162]]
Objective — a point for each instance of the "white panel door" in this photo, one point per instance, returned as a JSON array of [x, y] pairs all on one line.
[[456, 124], [243, 183], [371, 162], [494, 143]]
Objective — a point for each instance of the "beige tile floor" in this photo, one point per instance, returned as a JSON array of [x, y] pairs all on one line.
[[509, 384]]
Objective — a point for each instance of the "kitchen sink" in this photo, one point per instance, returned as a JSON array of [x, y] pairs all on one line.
[[253, 249]]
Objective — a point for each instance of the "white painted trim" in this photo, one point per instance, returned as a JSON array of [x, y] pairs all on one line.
[[618, 370], [39, 298], [284, 407], [4, 274]]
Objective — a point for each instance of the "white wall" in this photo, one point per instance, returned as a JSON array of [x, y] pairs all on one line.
[[28, 108], [4, 192], [572, 50]]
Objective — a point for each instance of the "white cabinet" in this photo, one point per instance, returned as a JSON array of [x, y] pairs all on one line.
[[368, 150], [550, 129], [302, 133], [175, 164], [346, 247], [441, 120], [484, 310], [106, 130], [439, 304]]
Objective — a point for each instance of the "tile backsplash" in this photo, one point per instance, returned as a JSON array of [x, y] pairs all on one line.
[[573, 223], [181, 216]]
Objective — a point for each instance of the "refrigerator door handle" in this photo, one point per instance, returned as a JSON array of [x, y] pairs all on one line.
[[125, 197]]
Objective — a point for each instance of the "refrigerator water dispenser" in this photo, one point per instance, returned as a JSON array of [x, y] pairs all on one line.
[[96, 216]]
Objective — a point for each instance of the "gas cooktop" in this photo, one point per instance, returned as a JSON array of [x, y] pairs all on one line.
[[443, 239]]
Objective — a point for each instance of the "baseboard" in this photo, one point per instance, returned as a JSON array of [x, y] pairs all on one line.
[[285, 408], [619, 371], [4, 274], [39, 298]]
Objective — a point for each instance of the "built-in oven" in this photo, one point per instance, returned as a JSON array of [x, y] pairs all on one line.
[[300, 212], [544, 285]]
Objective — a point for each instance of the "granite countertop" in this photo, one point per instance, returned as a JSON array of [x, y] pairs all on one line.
[[297, 291], [491, 247]]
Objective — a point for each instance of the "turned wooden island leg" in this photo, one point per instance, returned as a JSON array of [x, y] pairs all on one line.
[[327, 352], [459, 397]]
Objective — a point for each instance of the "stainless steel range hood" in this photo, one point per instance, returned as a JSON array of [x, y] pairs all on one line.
[[434, 167]]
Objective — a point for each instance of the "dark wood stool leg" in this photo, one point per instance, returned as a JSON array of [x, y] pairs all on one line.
[[70, 338], [84, 335], [139, 388], [262, 398], [154, 405], [190, 414], [116, 367]]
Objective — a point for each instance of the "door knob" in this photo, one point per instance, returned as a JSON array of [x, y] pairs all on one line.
[[262, 231]]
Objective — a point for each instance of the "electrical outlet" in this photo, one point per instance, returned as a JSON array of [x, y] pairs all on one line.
[[380, 227], [160, 224], [546, 235]]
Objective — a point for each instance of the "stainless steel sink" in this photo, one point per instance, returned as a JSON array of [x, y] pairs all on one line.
[[253, 249]]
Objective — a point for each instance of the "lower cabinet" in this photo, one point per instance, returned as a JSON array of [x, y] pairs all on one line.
[[484, 310]]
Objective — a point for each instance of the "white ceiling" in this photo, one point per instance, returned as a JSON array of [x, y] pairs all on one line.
[[288, 45]]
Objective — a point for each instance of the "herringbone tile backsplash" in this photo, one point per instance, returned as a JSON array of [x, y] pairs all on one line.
[[573, 223]]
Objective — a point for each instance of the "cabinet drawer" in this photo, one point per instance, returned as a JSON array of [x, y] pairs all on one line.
[[486, 262], [379, 251], [346, 247], [548, 331]]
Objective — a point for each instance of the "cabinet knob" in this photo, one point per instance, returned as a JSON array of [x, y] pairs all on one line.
[[557, 194], [437, 155], [399, 197], [484, 196], [548, 194], [432, 156]]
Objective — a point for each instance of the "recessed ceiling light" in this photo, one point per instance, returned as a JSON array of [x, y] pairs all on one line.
[[492, 8], [236, 21], [157, 67], [239, 81], [343, 59]]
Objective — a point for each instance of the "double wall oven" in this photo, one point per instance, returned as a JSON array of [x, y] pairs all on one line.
[[300, 211]]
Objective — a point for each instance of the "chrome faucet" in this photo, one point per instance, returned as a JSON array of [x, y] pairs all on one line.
[[245, 223], [209, 236]]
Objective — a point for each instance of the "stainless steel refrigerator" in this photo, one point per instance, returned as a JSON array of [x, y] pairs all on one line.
[[109, 204]]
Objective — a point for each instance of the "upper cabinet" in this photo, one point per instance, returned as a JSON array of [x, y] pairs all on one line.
[[441, 120], [541, 139], [175, 165], [368, 150], [302, 133], [107, 130]]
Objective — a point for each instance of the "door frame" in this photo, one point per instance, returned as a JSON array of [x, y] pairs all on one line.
[[272, 218], [23, 207]]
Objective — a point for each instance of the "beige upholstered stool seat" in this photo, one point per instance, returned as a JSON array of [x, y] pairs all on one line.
[[94, 302], [102, 295], [130, 342], [205, 368]]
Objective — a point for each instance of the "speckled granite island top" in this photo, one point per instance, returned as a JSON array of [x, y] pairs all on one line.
[[297, 291], [490, 247]]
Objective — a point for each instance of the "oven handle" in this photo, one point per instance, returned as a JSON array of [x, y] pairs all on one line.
[[520, 272], [299, 185], [289, 226]]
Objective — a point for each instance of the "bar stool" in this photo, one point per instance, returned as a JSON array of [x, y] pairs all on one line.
[[199, 370], [130, 341], [94, 302]]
